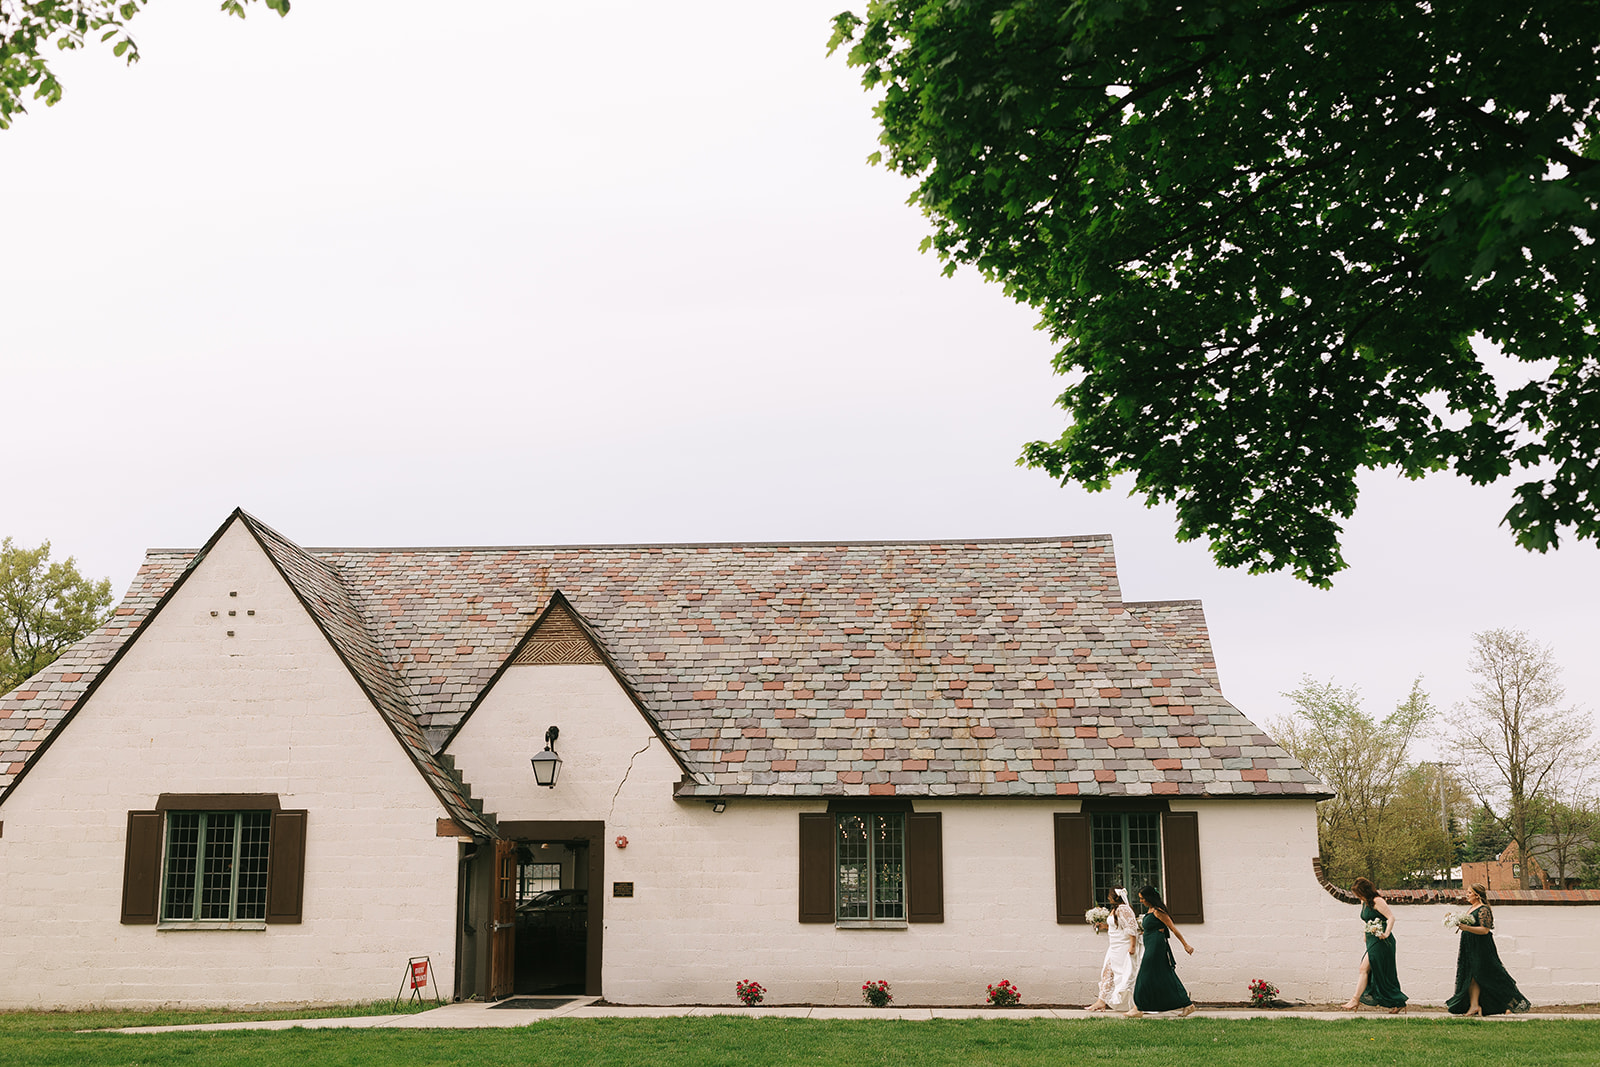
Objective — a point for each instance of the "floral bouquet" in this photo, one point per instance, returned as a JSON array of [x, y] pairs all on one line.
[[1377, 926], [1097, 917], [877, 994], [1004, 995], [750, 992], [1262, 993], [1456, 919]]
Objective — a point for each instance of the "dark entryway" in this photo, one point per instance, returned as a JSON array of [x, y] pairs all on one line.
[[544, 907], [552, 917]]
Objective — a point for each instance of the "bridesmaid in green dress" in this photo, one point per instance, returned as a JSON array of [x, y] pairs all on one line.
[[1379, 985], [1482, 985], [1157, 988]]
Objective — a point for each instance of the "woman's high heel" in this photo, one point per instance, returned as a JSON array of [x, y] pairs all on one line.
[[1401, 1010], [1187, 1011]]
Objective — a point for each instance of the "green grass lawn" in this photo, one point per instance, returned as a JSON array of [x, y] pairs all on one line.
[[714, 1041]]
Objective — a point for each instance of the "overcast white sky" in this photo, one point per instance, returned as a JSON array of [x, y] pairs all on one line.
[[529, 273]]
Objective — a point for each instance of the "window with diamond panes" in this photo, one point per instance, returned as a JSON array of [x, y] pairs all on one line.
[[216, 866], [536, 878], [1126, 852], [871, 856]]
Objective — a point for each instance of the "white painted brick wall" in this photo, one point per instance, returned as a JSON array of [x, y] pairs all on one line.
[[190, 710], [717, 897]]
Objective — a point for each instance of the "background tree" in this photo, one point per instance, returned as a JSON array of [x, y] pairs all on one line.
[[1566, 831], [31, 29], [1589, 867], [1485, 837], [1514, 739], [1421, 847], [1371, 826], [1263, 233], [44, 607]]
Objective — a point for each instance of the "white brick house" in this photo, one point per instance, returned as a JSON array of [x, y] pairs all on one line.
[[804, 764]]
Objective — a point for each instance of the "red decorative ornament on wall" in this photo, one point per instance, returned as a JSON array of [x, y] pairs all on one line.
[[622, 842]]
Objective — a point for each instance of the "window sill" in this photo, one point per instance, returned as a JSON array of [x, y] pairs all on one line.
[[211, 926], [870, 924]]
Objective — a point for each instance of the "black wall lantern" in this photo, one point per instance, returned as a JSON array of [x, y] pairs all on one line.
[[547, 765]]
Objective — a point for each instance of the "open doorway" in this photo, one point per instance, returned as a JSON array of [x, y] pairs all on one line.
[[540, 892], [552, 917]]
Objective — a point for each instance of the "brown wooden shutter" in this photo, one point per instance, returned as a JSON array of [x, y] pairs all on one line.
[[924, 868], [1180, 848], [817, 874], [141, 869], [1074, 890], [286, 867]]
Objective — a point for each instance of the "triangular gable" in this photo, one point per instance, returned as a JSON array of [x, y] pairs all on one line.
[[561, 635], [320, 592]]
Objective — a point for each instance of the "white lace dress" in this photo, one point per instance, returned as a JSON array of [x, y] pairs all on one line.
[[1121, 967]]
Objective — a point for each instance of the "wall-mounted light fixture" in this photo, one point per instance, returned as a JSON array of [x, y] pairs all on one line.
[[718, 804], [547, 765]]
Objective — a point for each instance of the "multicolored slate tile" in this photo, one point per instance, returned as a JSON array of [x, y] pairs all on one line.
[[939, 668]]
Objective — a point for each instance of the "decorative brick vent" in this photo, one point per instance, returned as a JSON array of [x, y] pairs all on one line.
[[559, 639]]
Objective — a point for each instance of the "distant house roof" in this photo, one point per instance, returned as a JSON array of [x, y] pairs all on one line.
[[1560, 855], [934, 668]]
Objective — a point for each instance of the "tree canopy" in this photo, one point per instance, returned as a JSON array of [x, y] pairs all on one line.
[[1264, 232], [44, 607], [30, 29], [1383, 822]]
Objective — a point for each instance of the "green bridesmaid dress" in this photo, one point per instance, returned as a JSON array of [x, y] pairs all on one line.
[[1477, 960], [1383, 984], [1157, 988]]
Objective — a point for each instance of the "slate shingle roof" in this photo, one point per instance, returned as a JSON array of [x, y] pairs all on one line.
[[933, 668], [1181, 626], [321, 588]]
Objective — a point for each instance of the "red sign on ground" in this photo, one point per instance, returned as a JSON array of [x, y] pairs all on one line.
[[419, 974]]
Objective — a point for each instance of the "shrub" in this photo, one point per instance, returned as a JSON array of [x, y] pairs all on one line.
[[750, 992], [877, 994], [1262, 993], [1005, 994]]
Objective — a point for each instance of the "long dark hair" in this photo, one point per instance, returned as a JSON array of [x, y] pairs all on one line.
[[1363, 888], [1152, 899]]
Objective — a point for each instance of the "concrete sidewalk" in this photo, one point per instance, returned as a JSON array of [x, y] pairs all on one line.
[[476, 1015]]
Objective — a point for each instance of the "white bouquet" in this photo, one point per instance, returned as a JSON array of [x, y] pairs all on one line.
[[1376, 926], [1456, 919], [1096, 917]]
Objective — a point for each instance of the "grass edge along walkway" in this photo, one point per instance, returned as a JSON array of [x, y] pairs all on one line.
[[717, 1040], [113, 1018]]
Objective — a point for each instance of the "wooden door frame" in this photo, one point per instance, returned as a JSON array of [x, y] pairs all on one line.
[[593, 834]]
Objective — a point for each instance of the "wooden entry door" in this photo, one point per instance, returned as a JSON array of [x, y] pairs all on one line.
[[503, 928]]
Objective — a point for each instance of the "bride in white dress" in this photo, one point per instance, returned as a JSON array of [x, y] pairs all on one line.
[[1123, 953]]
